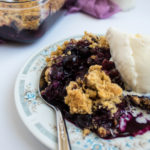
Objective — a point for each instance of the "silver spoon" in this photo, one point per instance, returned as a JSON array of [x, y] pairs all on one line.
[[63, 139]]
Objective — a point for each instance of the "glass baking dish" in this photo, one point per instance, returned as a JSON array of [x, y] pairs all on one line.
[[26, 21]]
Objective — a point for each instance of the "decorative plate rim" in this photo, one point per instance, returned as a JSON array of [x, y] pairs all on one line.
[[23, 119], [44, 139]]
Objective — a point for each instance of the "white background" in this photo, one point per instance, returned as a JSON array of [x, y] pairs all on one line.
[[13, 134]]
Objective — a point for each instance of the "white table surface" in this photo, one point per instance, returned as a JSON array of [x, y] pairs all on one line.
[[13, 134]]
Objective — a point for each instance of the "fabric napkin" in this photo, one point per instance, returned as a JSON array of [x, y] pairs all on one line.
[[97, 8]]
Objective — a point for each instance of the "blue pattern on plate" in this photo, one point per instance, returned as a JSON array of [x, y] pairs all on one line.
[[22, 101], [97, 147], [29, 98]]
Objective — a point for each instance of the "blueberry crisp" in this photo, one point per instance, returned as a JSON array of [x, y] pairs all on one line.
[[82, 80]]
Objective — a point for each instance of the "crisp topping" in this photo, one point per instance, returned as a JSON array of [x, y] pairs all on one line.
[[77, 100], [142, 102], [60, 49], [96, 41], [102, 131], [93, 92], [86, 132], [136, 100], [27, 14]]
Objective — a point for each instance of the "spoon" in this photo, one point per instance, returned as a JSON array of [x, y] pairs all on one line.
[[63, 139]]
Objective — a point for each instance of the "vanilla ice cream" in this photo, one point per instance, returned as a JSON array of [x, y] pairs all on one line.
[[125, 4], [131, 55]]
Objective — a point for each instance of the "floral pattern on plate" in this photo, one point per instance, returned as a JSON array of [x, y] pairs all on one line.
[[40, 119]]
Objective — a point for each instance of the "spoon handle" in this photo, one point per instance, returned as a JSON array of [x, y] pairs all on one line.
[[63, 141]]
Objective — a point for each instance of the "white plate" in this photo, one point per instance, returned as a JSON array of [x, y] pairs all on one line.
[[40, 119]]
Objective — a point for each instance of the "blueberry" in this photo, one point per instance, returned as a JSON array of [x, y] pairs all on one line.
[[56, 72], [81, 67], [72, 48], [107, 65], [55, 84], [113, 73], [84, 121], [84, 50], [70, 61], [100, 55]]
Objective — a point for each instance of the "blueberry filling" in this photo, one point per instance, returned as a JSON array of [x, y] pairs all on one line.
[[74, 63], [12, 33]]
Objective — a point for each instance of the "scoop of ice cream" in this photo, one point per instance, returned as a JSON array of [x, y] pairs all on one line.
[[131, 54], [125, 4]]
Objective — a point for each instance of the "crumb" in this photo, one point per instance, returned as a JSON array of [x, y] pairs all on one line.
[[86, 132], [103, 42], [115, 122], [136, 100], [47, 72], [69, 52], [102, 131], [93, 56]]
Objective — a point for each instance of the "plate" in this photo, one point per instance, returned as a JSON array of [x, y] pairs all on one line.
[[40, 119]]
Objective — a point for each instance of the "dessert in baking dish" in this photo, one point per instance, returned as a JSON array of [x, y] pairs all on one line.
[[27, 20]]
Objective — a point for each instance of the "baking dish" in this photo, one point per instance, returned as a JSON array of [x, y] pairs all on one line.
[[26, 21]]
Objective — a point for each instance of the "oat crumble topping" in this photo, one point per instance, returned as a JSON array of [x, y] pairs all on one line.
[[77, 100], [102, 131], [142, 102], [95, 41], [95, 85], [86, 132], [27, 14]]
